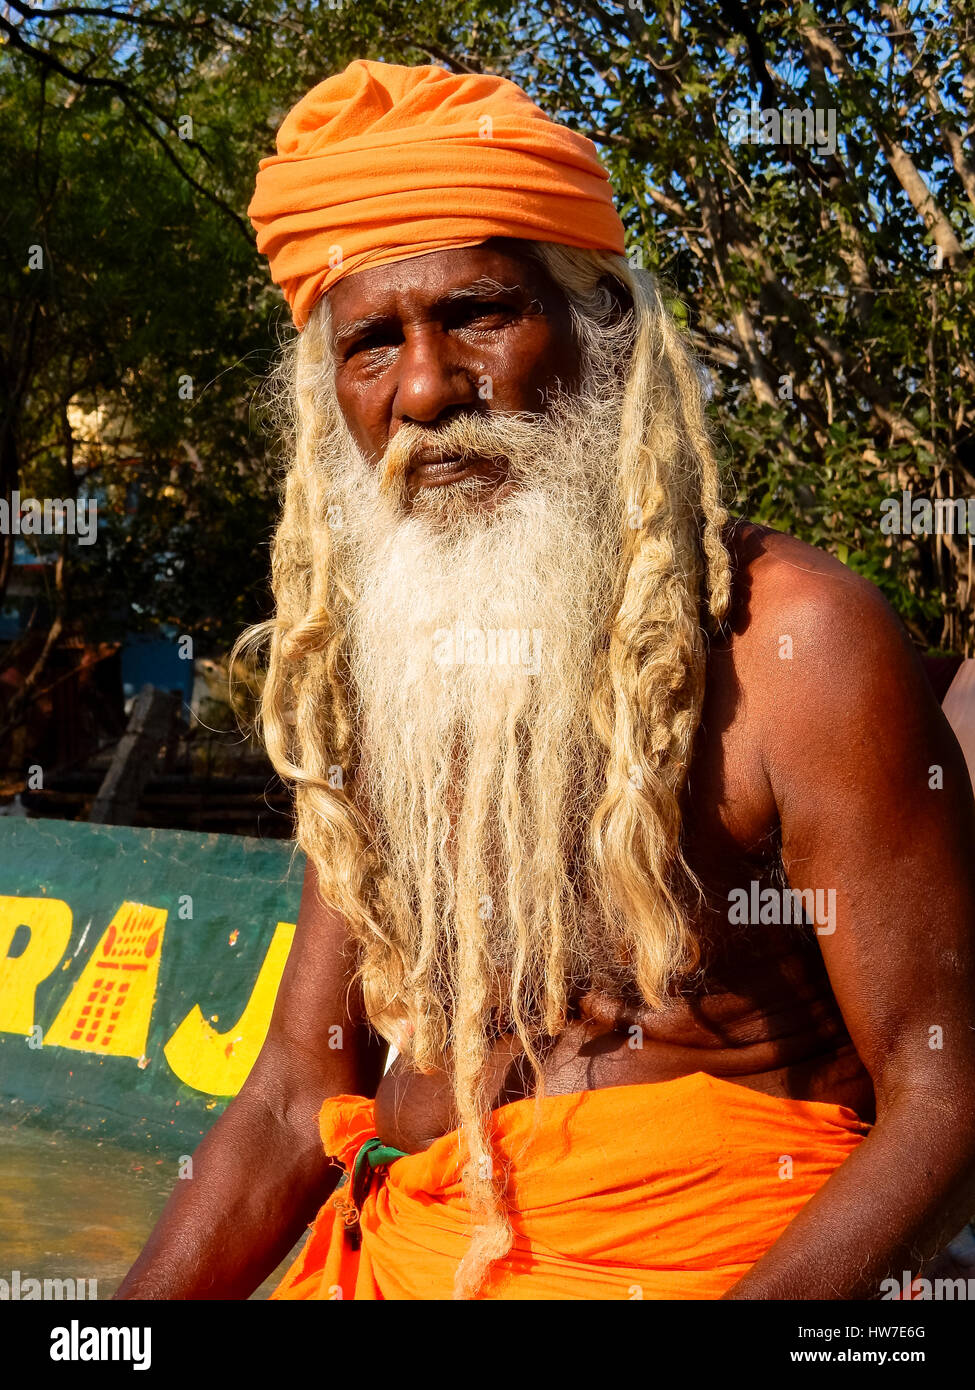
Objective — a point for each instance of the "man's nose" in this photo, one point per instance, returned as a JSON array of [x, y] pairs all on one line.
[[432, 381]]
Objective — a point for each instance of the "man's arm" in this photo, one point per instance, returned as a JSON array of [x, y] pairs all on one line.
[[260, 1174], [854, 743]]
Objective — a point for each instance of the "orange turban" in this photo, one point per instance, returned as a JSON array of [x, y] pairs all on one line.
[[380, 163]]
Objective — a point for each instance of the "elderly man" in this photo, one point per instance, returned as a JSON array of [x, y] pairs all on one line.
[[634, 829]]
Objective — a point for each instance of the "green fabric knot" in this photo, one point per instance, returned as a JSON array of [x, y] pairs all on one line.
[[372, 1156]]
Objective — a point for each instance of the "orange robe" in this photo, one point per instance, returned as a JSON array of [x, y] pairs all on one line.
[[669, 1190]]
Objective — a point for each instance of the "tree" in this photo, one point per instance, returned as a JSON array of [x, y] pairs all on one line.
[[824, 282]]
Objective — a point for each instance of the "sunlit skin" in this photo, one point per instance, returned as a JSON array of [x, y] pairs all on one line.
[[407, 352], [817, 765]]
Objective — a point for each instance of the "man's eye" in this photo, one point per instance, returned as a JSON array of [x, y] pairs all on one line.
[[370, 343], [481, 313]]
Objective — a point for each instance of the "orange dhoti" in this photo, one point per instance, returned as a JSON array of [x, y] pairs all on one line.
[[670, 1190]]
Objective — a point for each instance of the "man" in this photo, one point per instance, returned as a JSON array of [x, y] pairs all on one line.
[[635, 830]]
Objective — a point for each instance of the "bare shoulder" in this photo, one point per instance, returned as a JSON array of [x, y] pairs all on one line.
[[788, 593], [813, 641], [778, 576]]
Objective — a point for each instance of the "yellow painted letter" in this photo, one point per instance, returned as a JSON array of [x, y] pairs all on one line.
[[49, 923], [218, 1063]]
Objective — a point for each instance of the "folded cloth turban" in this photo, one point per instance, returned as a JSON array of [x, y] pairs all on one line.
[[381, 163]]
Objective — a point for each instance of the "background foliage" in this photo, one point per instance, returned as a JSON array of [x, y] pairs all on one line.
[[827, 292]]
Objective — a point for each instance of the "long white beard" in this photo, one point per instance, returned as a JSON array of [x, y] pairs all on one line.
[[472, 640]]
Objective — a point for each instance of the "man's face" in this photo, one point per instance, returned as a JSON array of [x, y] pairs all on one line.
[[426, 339], [473, 611]]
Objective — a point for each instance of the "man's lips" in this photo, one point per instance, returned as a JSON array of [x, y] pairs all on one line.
[[434, 472]]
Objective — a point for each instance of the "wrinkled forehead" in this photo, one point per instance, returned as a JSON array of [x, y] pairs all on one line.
[[420, 283]]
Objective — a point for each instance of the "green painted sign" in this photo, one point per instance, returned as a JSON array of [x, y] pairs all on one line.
[[138, 970]]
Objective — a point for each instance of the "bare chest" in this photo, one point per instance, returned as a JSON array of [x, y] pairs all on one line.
[[761, 1012]]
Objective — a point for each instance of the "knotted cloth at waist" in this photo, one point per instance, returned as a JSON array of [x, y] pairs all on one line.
[[670, 1189]]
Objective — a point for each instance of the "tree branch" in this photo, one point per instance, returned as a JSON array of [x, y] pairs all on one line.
[[132, 101]]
